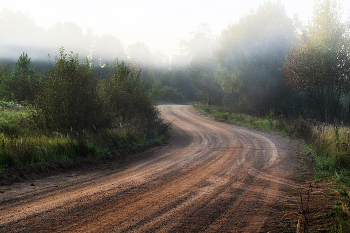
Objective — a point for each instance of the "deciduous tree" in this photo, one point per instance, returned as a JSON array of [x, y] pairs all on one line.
[[250, 54], [319, 64]]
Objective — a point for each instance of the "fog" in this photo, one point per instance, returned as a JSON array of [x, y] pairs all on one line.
[[19, 33], [149, 33]]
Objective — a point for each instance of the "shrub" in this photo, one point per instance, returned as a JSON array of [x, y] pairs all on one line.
[[165, 93], [68, 95], [125, 98], [22, 82]]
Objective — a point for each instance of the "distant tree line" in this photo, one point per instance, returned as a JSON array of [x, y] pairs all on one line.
[[268, 62]]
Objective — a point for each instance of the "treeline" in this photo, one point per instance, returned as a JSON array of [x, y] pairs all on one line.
[[269, 62]]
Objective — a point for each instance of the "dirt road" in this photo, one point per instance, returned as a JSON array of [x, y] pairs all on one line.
[[210, 177]]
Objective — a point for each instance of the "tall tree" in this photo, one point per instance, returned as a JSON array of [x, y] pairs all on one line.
[[68, 35], [202, 73], [250, 54], [68, 94], [22, 81], [319, 64], [201, 44], [140, 53], [107, 48]]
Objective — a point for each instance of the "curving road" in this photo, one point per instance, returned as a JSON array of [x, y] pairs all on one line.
[[210, 177]]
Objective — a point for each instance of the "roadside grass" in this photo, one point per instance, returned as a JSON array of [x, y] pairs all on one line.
[[328, 145], [22, 142]]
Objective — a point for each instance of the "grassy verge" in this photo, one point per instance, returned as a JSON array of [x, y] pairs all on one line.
[[22, 142], [328, 144]]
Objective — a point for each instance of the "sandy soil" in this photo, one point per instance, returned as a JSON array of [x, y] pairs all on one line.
[[210, 177]]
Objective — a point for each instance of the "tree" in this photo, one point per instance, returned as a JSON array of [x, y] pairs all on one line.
[[125, 98], [22, 81], [107, 48], [67, 35], [68, 98], [178, 78], [4, 77], [201, 44], [319, 64], [140, 53], [202, 73], [250, 54], [160, 93]]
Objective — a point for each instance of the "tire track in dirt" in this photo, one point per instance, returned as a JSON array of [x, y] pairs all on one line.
[[211, 177]]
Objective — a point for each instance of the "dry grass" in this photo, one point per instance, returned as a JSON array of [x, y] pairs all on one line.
[[314, 208]]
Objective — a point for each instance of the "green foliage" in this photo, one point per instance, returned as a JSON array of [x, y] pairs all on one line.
[[202, 73], [68, 96], [30, 148], [75, 114], [167, 94], [125, 98], [179, 79], [21, 84], [319, 63], [4, 77], [250, 55], [54, 130]]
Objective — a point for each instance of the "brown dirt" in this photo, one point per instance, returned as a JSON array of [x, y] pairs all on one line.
[[210, 177]]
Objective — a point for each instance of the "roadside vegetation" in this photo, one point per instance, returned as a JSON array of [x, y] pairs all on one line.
[[67, 112]]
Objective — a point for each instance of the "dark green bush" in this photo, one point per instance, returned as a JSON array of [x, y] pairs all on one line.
[[125, 99], [68, 97], [168, 94], [22, 83]]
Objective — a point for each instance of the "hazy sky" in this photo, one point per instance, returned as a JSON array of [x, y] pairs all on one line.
[[160, 24]]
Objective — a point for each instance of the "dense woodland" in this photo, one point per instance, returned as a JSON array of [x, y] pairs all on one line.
[[266, 62]]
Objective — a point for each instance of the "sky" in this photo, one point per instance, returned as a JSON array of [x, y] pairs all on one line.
[[160, 24]]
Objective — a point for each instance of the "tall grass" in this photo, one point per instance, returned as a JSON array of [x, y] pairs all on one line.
[[23, 142], [330, 141]]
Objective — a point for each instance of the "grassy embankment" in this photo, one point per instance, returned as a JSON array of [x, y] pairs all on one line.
[[329, 146], [23, 142]]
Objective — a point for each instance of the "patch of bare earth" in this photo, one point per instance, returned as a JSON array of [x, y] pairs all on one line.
[[210, 177]]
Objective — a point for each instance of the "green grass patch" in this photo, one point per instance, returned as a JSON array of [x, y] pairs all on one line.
[[22, 142]]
